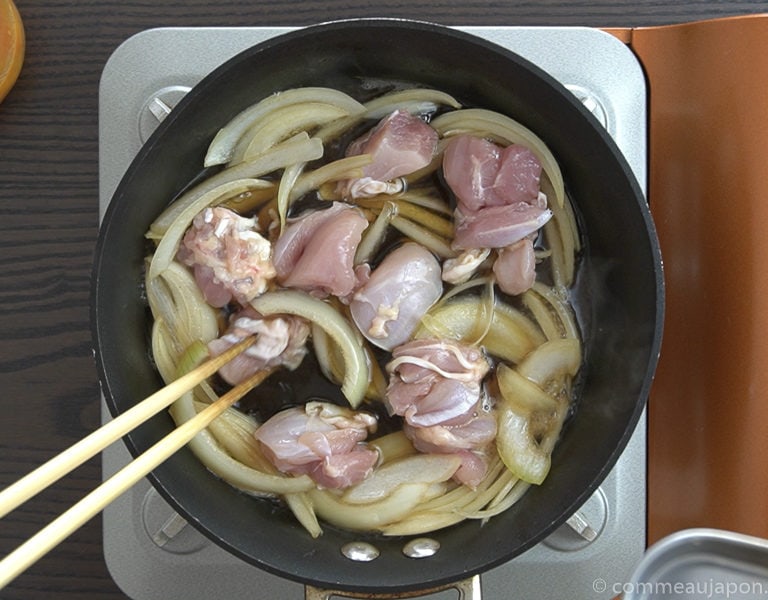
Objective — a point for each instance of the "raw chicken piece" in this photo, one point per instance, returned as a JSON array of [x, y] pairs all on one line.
[[388, 306], [433, 381], [515, 267], [483, 174], [470, 166], [437, 386], [476, 430], [230, 259], [497, 191], [518, 177], [498, 226], [281, 341], [317, 249], [321, 440], [473, 469], [399, 144], [468, 439]]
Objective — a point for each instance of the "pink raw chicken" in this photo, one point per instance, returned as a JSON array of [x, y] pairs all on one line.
[[317, 249], [399, 145], [230, 259], [468, 437], [321, 440], [483, 174], [390, 303], [498, 226], [437, 386], [434, 381], [497, 191], [281, 341], [515, 267]]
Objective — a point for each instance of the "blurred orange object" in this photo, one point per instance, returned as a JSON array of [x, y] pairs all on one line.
[[11, 46]]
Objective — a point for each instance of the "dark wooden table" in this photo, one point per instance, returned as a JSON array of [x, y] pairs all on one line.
[[48, 223]]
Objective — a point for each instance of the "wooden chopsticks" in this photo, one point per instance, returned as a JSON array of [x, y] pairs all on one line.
[[89, 446], [51, 535]]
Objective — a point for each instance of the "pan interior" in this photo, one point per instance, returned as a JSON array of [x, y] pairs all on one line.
[[619, 291]]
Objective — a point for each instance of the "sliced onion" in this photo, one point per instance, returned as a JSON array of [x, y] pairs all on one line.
[[294, 302], [221, 188], [526, 437], [377, 387], [164, 353], [281, 124], [457, 499], [420, 468], [374, 235], [223, 145], [287, 182], [431, 241], [301, 507], [485, 494], [510, 337], [426, 201], [454, 506], [249, 201], [531, 328], [331, 362], [374, 515], [234, 431], [176, 300], [414, 100], [562, 237], [517, 446], [392, 446], [510, 497], [196, 353], [521, 392], [560, 271], [326, 354], [510, 482], [543, 314], [425, 218], [198, 321], [422, 522], [553, 359], [559, 308], [344, 168]]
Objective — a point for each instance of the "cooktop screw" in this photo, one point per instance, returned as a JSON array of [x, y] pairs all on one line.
[[591, 102], [360, 551], [421, 548], [157, 107]]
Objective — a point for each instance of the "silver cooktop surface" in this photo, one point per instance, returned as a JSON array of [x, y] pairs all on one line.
[[151, 553]]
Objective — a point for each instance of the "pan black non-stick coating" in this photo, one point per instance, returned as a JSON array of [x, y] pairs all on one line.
[[619, 293]]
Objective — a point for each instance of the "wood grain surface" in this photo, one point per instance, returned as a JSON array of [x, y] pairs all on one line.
[[48, 223]]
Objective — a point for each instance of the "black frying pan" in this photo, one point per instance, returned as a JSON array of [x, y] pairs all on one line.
[[620, 292]]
